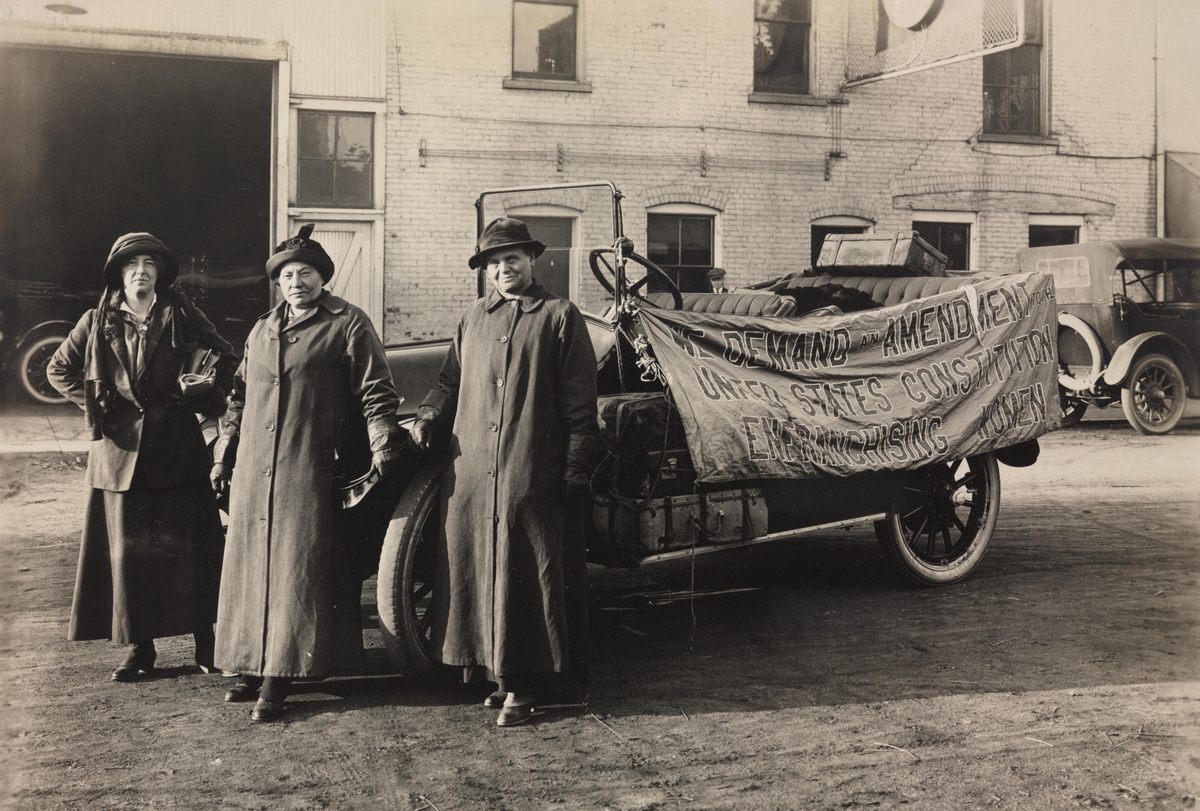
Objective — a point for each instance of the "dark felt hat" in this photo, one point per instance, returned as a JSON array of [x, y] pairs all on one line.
[[504, 232], [301, 249], [135, 244], [716, 273]]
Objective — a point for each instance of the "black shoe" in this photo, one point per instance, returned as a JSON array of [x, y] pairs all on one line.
[[139, 661], [205, 642], [245, 690], [265, 711]]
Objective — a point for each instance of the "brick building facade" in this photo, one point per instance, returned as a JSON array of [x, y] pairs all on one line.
[[662, 101]]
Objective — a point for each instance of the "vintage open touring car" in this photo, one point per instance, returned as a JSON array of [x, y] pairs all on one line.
[[1129, 326], [732, 419]]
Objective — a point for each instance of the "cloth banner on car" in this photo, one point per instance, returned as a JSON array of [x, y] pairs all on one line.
[[939, 378]]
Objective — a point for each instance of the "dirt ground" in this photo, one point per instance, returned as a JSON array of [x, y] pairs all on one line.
[[1064, 674]]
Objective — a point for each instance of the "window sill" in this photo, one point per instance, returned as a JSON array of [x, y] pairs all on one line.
[[797, 99], [547, 84], [1007, 138]]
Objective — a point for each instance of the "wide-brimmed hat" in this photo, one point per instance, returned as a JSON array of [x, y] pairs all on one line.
[[504, 232], [301, 249], [135, 244]]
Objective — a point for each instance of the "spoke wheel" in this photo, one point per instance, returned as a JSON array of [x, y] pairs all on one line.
[[941, 534], [405, 590], [31, 369], [1073, 408], [1154, 399], [606, 274]]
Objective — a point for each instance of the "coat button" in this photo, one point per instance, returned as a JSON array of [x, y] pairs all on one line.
[[503, 339], [292, 339], [271, 426], [492, 472], [275, 381], [267, 472], [494, 427], [499, 382]]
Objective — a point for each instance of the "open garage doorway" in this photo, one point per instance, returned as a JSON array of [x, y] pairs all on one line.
[[97, 143]]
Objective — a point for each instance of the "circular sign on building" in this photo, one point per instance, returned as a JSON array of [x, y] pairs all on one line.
[[911, 14]]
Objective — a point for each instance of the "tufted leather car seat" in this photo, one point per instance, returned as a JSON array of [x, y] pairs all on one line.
[[889, 290], [737, 303]]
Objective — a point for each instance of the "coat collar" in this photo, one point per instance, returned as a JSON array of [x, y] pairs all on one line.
[[335, 305], [528, 301]]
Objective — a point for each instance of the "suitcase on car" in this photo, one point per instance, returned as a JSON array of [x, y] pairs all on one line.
[[905, 254]]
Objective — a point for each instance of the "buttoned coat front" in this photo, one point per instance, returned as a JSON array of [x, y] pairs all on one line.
[[308, 395], [520, 383]]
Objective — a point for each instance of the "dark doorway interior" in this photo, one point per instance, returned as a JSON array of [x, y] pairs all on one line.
[[95, 144]]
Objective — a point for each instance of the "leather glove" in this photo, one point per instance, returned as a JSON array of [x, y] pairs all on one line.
[[218, 477], [578, 485], [386, 462], [422, 433]]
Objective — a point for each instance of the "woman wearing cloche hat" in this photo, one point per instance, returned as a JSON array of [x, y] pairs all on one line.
[[314, 394], [149, 562]]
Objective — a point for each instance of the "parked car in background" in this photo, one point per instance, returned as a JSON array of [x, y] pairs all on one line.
[[35, 317], [1129, 326]]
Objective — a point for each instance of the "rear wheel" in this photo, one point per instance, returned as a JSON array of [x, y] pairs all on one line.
[[31, 369], [405, 589], [1155, 395], [1073, 409], [942, 533]]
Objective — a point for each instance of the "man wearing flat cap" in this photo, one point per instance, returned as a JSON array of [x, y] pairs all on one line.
[[518, 394]]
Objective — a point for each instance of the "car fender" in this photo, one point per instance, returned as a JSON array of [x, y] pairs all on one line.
[[49, 325], [1122, 360]]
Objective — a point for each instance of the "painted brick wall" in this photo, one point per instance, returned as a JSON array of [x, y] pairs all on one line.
[[670, 80]]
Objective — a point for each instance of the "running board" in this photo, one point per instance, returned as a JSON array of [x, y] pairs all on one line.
[[676, 554]]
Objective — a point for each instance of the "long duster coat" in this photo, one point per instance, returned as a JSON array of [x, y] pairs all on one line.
[[150, 557], [309, 395], [520, 382]]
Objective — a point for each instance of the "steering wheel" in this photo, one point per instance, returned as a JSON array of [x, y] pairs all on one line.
[[607, 277]]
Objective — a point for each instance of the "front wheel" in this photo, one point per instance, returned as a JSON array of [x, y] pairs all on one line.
[[405, 589], [940, 536], [31, 369], [1154, 399]]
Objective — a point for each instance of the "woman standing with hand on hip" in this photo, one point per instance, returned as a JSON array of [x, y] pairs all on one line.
[[312, 392], [150, 558]]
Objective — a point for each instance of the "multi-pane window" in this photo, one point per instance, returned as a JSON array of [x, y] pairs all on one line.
[[1012, 92], [781, 45], [951, 238], [336, 157], [1012, 82], [682, 245], [544, 39], [1042, 235]]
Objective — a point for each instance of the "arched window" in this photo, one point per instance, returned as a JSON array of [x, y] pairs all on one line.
[[684, 240], [557, 227], [824, 226]]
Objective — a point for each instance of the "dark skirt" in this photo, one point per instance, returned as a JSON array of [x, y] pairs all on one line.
[[149, 564]]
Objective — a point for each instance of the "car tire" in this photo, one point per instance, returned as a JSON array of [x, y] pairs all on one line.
[[405, 588], [30, 368], [1154, 395], [958, 509], [1072, 408]]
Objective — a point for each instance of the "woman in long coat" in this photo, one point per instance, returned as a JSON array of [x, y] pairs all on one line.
[[519, 388], [312, 392], [150, 557]]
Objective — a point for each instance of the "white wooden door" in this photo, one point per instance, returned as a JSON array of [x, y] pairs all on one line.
[[358, 276]]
